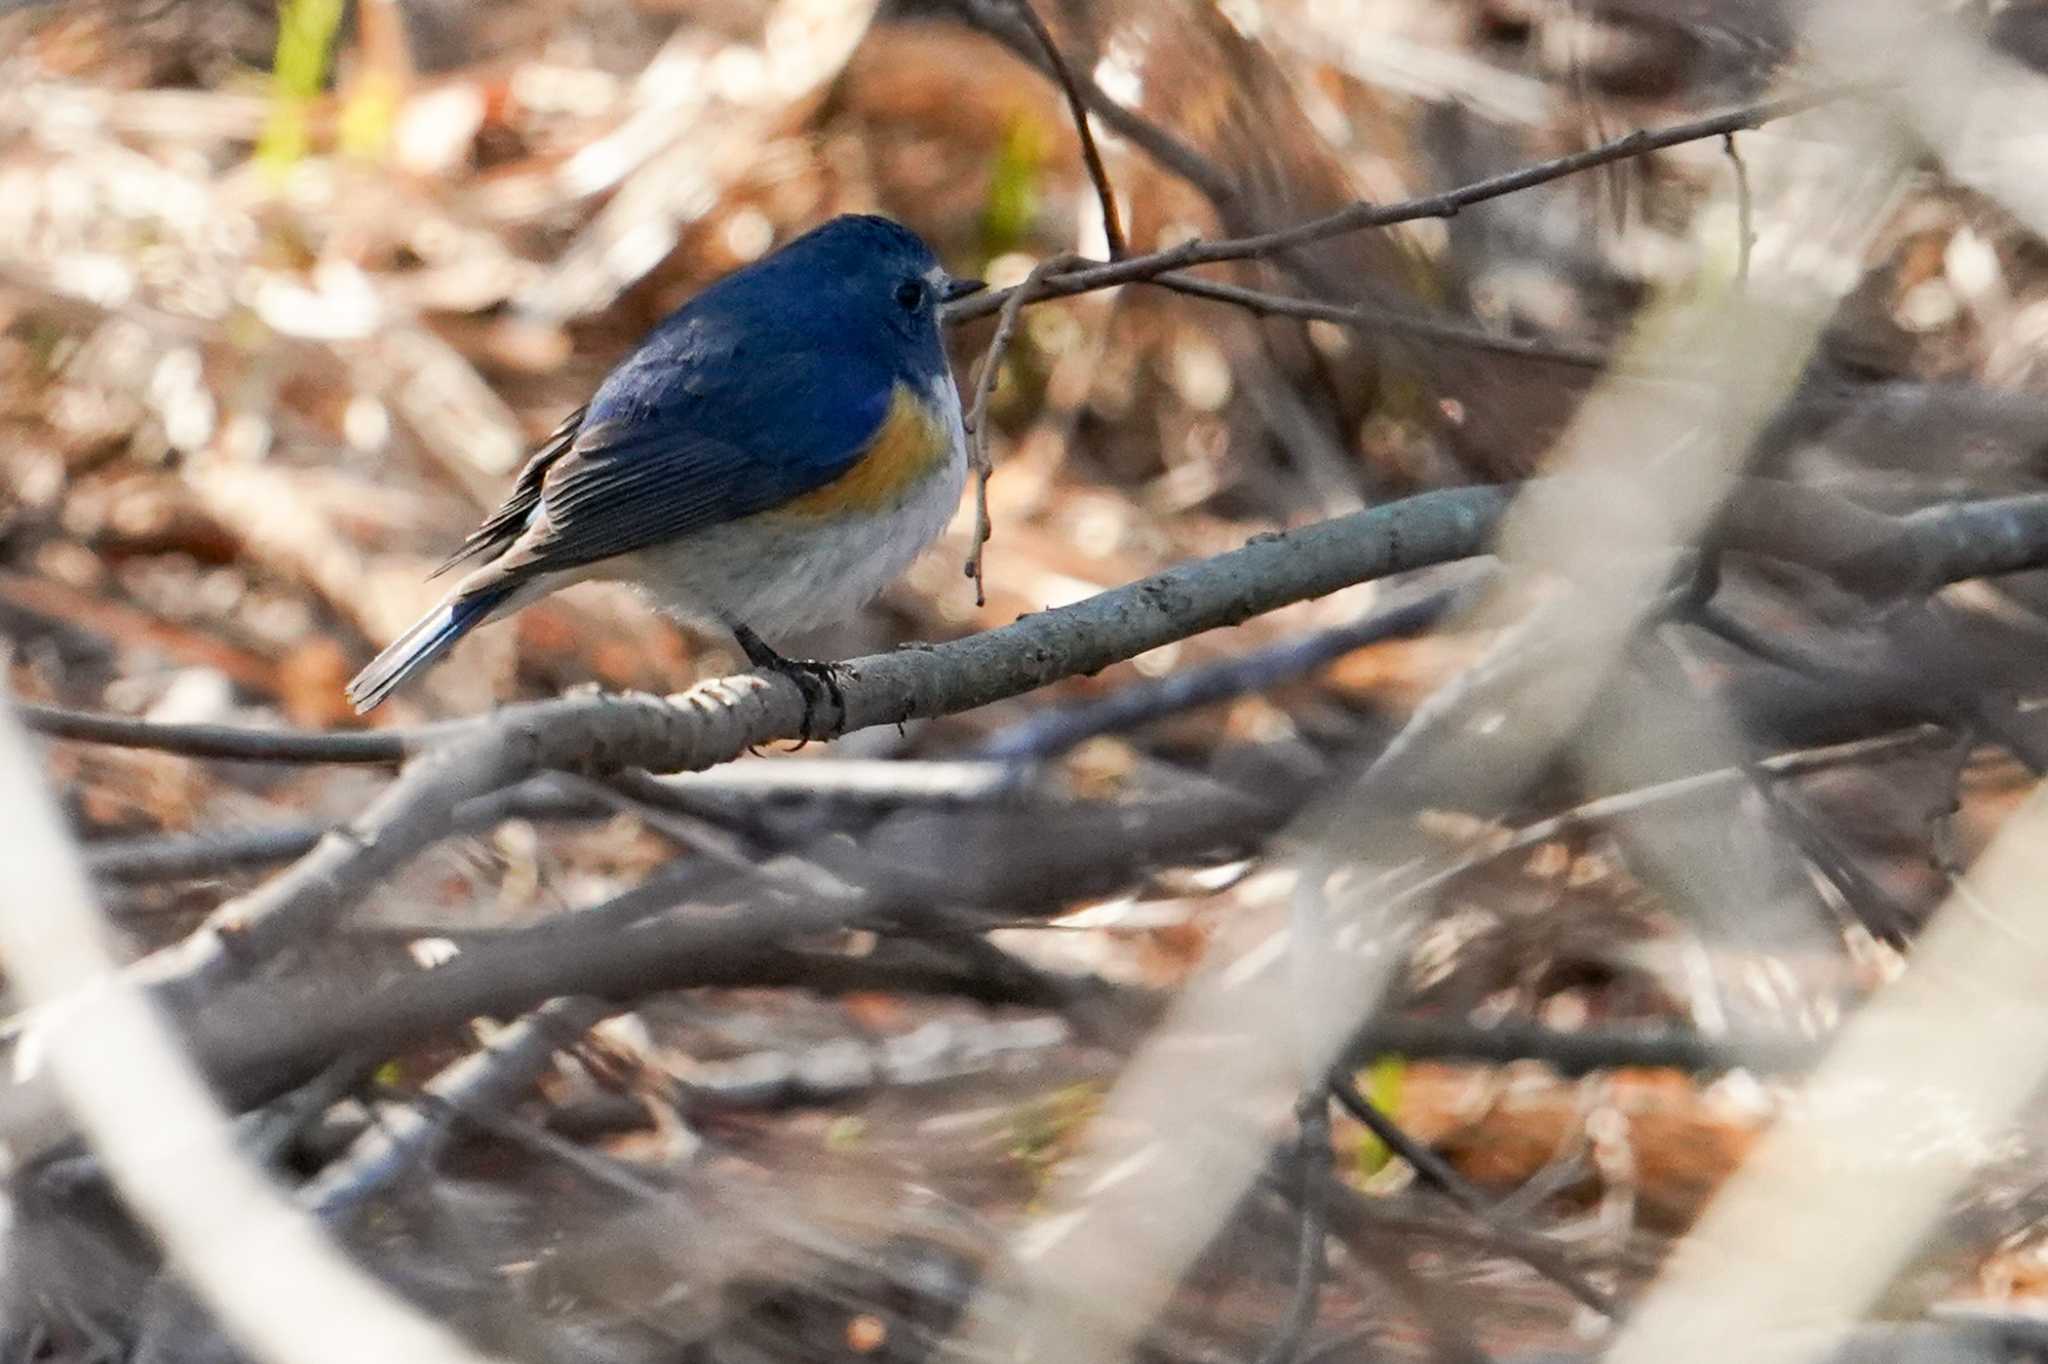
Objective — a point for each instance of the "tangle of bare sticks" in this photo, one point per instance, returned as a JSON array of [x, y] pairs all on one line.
[[861, 878]]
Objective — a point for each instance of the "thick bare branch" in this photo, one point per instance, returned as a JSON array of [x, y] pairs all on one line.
[[259, 1039], [486, 1081], [844, 784], [1870, 552], [717, 720]]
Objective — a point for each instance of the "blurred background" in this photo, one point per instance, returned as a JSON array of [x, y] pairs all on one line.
[[288, 290]]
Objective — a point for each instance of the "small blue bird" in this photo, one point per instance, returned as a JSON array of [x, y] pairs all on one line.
[[772, 454]]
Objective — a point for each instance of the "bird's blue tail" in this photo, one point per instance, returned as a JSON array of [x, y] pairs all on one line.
[[429, 638]]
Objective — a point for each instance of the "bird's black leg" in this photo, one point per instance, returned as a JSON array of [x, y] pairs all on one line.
[[807, 673]]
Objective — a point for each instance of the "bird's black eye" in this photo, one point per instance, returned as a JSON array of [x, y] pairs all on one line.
[[910, 295]]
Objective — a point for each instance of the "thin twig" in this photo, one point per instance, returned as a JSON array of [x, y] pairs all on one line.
[[984, 389], [1927, 675], [268, 1134], [1744, 210], [1586, 1051], [1360, 216], [1929, 628], [1056, 729], [487, 1080], [744, 789], [1312, 1167], [1604, 808], [1533, 1250], [602, 1171], [1429, 1167], [239, 743], [180, 857], [999, 20], [1866, 901], [1091, 156], [1879, 911], [1261, 303], [1363, 1224], [172, 857]]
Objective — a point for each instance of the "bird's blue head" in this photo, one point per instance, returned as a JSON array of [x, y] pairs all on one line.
[[858, 282]]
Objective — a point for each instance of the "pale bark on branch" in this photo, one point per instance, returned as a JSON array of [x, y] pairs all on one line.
[[1866, 551], [1863, 550], [718, 720]]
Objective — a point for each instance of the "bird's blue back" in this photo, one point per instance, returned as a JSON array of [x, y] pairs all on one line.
[[793, 359]]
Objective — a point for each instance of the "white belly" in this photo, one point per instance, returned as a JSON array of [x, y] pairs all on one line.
[[780, 574]]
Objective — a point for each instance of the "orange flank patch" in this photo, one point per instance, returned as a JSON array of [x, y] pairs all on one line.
[[908, 448]]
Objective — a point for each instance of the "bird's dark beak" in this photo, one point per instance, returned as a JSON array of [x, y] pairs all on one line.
[[956, 288]]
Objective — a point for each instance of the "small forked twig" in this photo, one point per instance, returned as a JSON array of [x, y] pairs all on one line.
[[1744, 211], [1312, 1157], [1091, 155], [1529, 1247], [984, 389], [1364, 215]]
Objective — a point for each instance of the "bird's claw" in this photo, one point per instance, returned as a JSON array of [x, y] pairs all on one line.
[[811, 675]]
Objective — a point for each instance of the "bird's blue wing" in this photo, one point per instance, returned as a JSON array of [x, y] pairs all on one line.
[[684, 438], [509, 521], [632, 489]]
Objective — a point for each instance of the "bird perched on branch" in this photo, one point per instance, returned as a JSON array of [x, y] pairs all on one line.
[[770, 456]]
